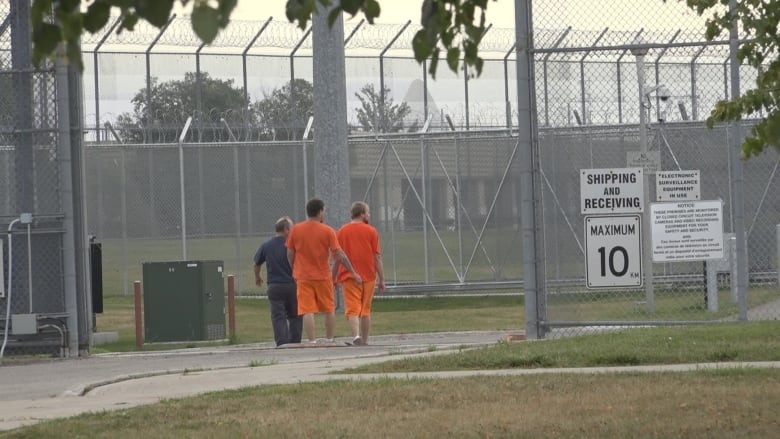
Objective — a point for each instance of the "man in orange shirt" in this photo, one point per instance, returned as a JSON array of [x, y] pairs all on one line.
[[309, 246], [360, 241]]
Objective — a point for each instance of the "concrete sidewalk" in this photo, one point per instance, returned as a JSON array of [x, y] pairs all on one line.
[[36, 392], [44, 390]]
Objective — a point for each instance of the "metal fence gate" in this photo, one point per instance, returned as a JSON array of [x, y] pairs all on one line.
[[46, 293]]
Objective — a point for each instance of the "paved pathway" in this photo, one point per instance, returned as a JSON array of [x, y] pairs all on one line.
[[35, 392]]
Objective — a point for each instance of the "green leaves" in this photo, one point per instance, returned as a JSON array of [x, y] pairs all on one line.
[[45, 39], [759, 21], [455, 25], [62, 21], [96, 17], [205, 22]]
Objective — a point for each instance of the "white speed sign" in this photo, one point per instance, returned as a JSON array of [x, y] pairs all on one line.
[[613, 251]]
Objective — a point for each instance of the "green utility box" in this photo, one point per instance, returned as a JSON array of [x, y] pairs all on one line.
[[183, 301]]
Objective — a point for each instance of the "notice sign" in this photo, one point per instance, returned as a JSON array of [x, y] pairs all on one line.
[[613, 251], [611, 190], [677, 186], [689, 231]]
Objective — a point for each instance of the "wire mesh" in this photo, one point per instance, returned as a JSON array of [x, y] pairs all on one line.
[[450, 200]]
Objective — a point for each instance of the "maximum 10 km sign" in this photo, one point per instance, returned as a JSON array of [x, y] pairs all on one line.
[[613, 251]]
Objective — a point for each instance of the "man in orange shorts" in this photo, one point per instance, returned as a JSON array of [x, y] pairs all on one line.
[[360, 241], [309, 246]]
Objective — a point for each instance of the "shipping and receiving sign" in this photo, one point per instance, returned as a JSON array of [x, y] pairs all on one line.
[[678, 185], [613, 251], [687, 231], [611, 191]]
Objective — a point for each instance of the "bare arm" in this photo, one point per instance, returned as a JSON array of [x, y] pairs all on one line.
[[334, 270], [344, 260], [291, 256], [258, 277], [380, 272]]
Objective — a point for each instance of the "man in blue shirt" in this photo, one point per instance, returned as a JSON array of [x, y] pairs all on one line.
[[282, 295]]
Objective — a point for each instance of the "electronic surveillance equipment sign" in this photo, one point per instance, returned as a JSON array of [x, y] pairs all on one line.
[[687, 231], [678, 186], [613, 251], [611, 191]]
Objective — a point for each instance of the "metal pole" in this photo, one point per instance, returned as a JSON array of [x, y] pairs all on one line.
[[423, 208], [149, 107], [466, 83], [68, 197], [294, 116], [637, 37], [508, 104], [647, 251], [244, 54], [694, 99], [544, 63], [466, 92], [528, 158], [425, 88], [354, 31], [199, 108], [382, 121], [181, 189], [585, 118], [97, 75], [139, 321], [661, 53], [738, 204], [777, 264], [123, 195]]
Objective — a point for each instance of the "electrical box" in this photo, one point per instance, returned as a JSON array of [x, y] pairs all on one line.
[[24, 324], [183, 301]]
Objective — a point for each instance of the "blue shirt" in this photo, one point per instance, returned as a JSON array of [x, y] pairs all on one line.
[[273, 253]]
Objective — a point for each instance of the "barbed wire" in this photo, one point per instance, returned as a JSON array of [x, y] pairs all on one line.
[[278, 34]]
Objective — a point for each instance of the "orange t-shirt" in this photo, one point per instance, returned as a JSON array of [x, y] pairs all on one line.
[[312, 242], [360, 241]]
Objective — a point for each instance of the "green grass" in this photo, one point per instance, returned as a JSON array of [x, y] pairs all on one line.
[[759, 341], [389, 316], [723, 403], [670, 304], [458, 313]]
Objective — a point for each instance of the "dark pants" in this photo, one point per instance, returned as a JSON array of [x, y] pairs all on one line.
[[286, 322]]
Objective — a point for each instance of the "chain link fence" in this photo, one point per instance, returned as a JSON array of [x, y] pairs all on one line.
[[592, 80], [446, 201], [30, 183]]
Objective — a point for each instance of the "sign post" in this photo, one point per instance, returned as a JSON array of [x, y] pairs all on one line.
[[613, 251]]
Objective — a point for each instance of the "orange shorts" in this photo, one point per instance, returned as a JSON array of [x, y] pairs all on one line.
[[357, 298], [315, 296]]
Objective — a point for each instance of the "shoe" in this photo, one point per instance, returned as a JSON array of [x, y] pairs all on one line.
[[325, 340], [357, 341]]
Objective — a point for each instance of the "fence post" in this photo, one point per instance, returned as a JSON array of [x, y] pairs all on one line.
[[139, 335], [231, 290]]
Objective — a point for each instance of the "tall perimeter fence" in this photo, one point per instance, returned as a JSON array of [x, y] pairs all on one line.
[[444, 190]]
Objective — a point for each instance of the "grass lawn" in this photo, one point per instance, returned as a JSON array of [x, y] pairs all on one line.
[[723, 403], [389, 316], [462, 313]]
